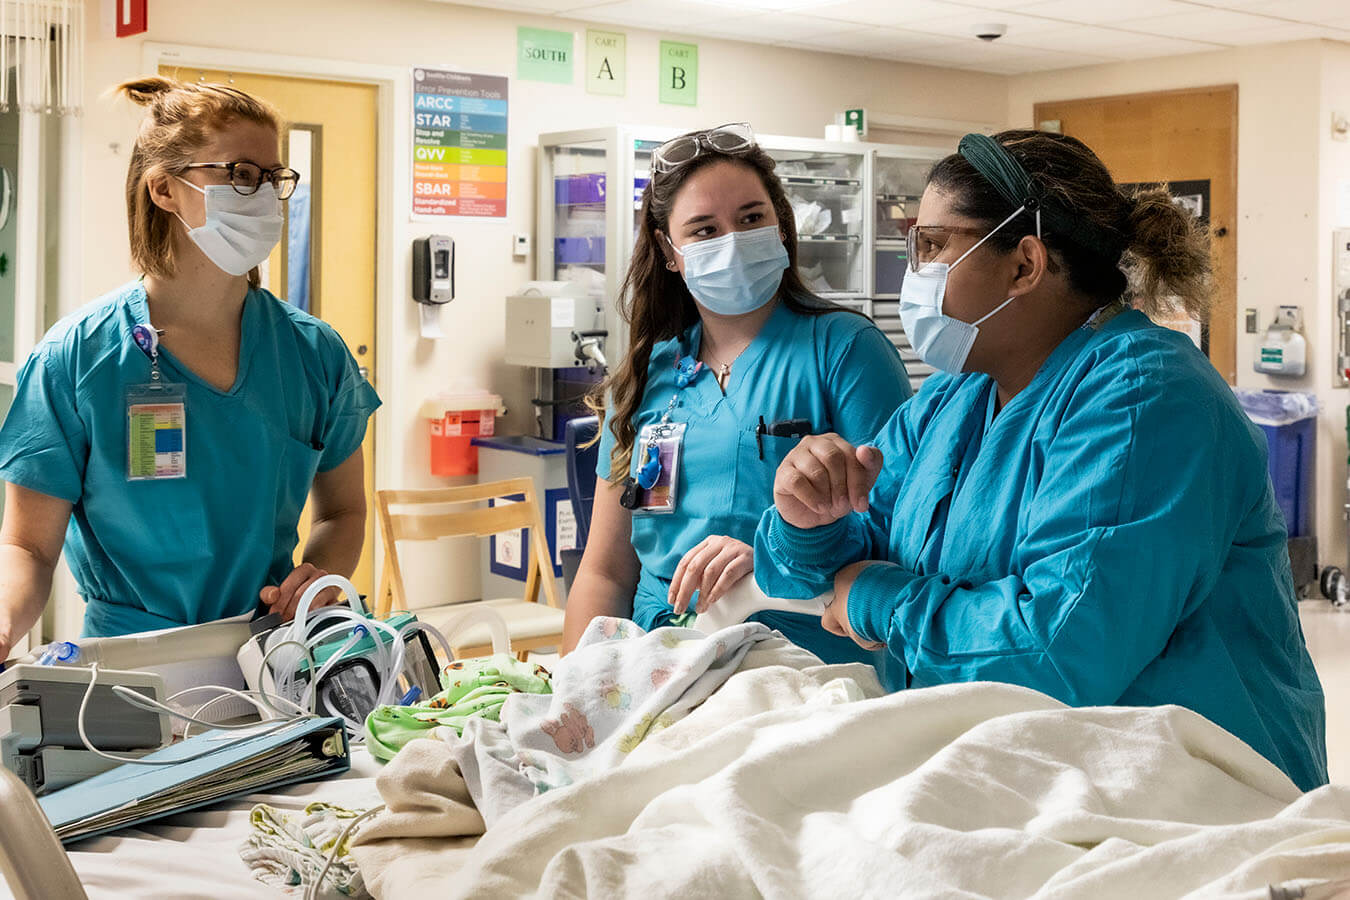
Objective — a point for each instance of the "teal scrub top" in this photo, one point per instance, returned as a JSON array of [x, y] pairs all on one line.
[[835, 369], [1110, 537], [156, 554]]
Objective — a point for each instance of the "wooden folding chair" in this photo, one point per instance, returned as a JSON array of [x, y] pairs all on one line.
[[531, 625]]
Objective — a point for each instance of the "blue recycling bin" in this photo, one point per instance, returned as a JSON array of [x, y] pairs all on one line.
[[1289, 420]]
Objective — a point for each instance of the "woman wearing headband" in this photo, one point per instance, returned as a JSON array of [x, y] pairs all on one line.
[[730, 361], [1079, 505]]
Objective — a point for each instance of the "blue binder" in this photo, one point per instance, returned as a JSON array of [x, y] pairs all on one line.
[[131, 794]]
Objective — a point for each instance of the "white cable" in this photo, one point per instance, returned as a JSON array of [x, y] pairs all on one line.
[[266, 713], [140, 701], [414, 627], [313, 892], [262, 670], [84, 737], [317, 587]]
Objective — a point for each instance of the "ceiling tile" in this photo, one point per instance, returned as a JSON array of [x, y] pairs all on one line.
[[1099, 41], [1097, 13], [1295, 10], [885, 13], [1199, 25], [776, 27], [658, 14]]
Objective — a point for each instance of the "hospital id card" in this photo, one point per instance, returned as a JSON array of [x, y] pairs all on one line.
[[661, 446], [156, 432]]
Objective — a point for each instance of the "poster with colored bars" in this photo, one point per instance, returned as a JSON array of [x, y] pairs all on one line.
[[459, 144]]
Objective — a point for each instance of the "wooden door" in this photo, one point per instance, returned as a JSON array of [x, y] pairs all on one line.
[[1171, 137], [331, 141]]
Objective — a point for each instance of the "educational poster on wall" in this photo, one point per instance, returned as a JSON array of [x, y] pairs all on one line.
[[606, 63], [679, 73], [459, 144]]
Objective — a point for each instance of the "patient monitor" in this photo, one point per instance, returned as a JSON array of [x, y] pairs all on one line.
[[39, 736]]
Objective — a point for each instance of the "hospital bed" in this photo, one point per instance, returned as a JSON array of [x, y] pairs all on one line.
[[801, 791], [193, 854]]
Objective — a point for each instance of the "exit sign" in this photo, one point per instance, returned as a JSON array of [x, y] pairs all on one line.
[[857, 120]]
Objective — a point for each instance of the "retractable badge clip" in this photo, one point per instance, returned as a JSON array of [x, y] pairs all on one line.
[[147, 338]]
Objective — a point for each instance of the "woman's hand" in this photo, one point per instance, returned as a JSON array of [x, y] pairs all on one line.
[[823, 479], [712, 568], [835, 620], [286, 598]]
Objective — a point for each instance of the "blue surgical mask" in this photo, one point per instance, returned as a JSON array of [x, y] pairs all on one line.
[[940, 340], [736, 273]]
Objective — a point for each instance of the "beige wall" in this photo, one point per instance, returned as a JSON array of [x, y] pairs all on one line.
[[1285, 92], [780, 91]]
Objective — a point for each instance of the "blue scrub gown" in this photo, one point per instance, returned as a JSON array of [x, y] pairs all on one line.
[[1111, 537], [156, 554], [836, 370]]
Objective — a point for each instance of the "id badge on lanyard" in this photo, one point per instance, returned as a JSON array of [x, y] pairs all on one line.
[[658, 467], [156, 420]]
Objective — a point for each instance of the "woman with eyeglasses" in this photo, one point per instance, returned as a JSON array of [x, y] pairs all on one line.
[[171, 431], [1078, 505], [730, 361]]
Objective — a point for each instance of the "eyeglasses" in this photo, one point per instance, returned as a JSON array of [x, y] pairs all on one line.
[[734, 138], [247, 177], [925, 243]]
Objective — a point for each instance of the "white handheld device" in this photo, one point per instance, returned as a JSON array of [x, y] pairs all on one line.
[[745, 599]]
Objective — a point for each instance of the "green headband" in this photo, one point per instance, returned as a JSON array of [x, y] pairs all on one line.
[[998, 167]]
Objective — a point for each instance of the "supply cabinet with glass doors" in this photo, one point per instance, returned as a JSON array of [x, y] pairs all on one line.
[[898, 178], [852, 202]]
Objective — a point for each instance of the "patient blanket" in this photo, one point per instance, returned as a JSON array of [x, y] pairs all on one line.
[[619, 686]]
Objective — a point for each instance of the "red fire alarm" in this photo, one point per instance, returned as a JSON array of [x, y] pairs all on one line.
[[130, 17]]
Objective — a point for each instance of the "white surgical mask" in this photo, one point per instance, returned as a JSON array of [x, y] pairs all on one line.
[[940, 340], [736, 273], [239, 231]]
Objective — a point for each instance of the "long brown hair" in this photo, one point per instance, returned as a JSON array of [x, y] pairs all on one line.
[[1163, 250], [181, 120], [656, 303]]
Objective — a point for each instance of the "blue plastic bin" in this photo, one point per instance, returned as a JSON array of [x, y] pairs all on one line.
[[1289, 420], [1293, 452]]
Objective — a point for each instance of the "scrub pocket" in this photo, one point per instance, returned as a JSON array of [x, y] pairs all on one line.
[[297, 462]]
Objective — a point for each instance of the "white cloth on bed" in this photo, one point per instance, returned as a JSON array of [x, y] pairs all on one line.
[[619, 686], [195, 854], [290, 849], [782, 786]]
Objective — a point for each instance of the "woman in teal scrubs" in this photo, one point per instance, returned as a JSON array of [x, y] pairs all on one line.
[[1079, 506], [728, 347], [172, 430]]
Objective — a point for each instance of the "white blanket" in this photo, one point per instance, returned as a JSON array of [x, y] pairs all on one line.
[[616, 689], [786, 784]]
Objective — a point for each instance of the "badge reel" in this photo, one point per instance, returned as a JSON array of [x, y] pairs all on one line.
[[156, 419]]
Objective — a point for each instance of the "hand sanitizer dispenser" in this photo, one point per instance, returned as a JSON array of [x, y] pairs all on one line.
[[1283, 350]]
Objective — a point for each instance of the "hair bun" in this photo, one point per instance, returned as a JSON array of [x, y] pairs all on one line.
[[145, 91]]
